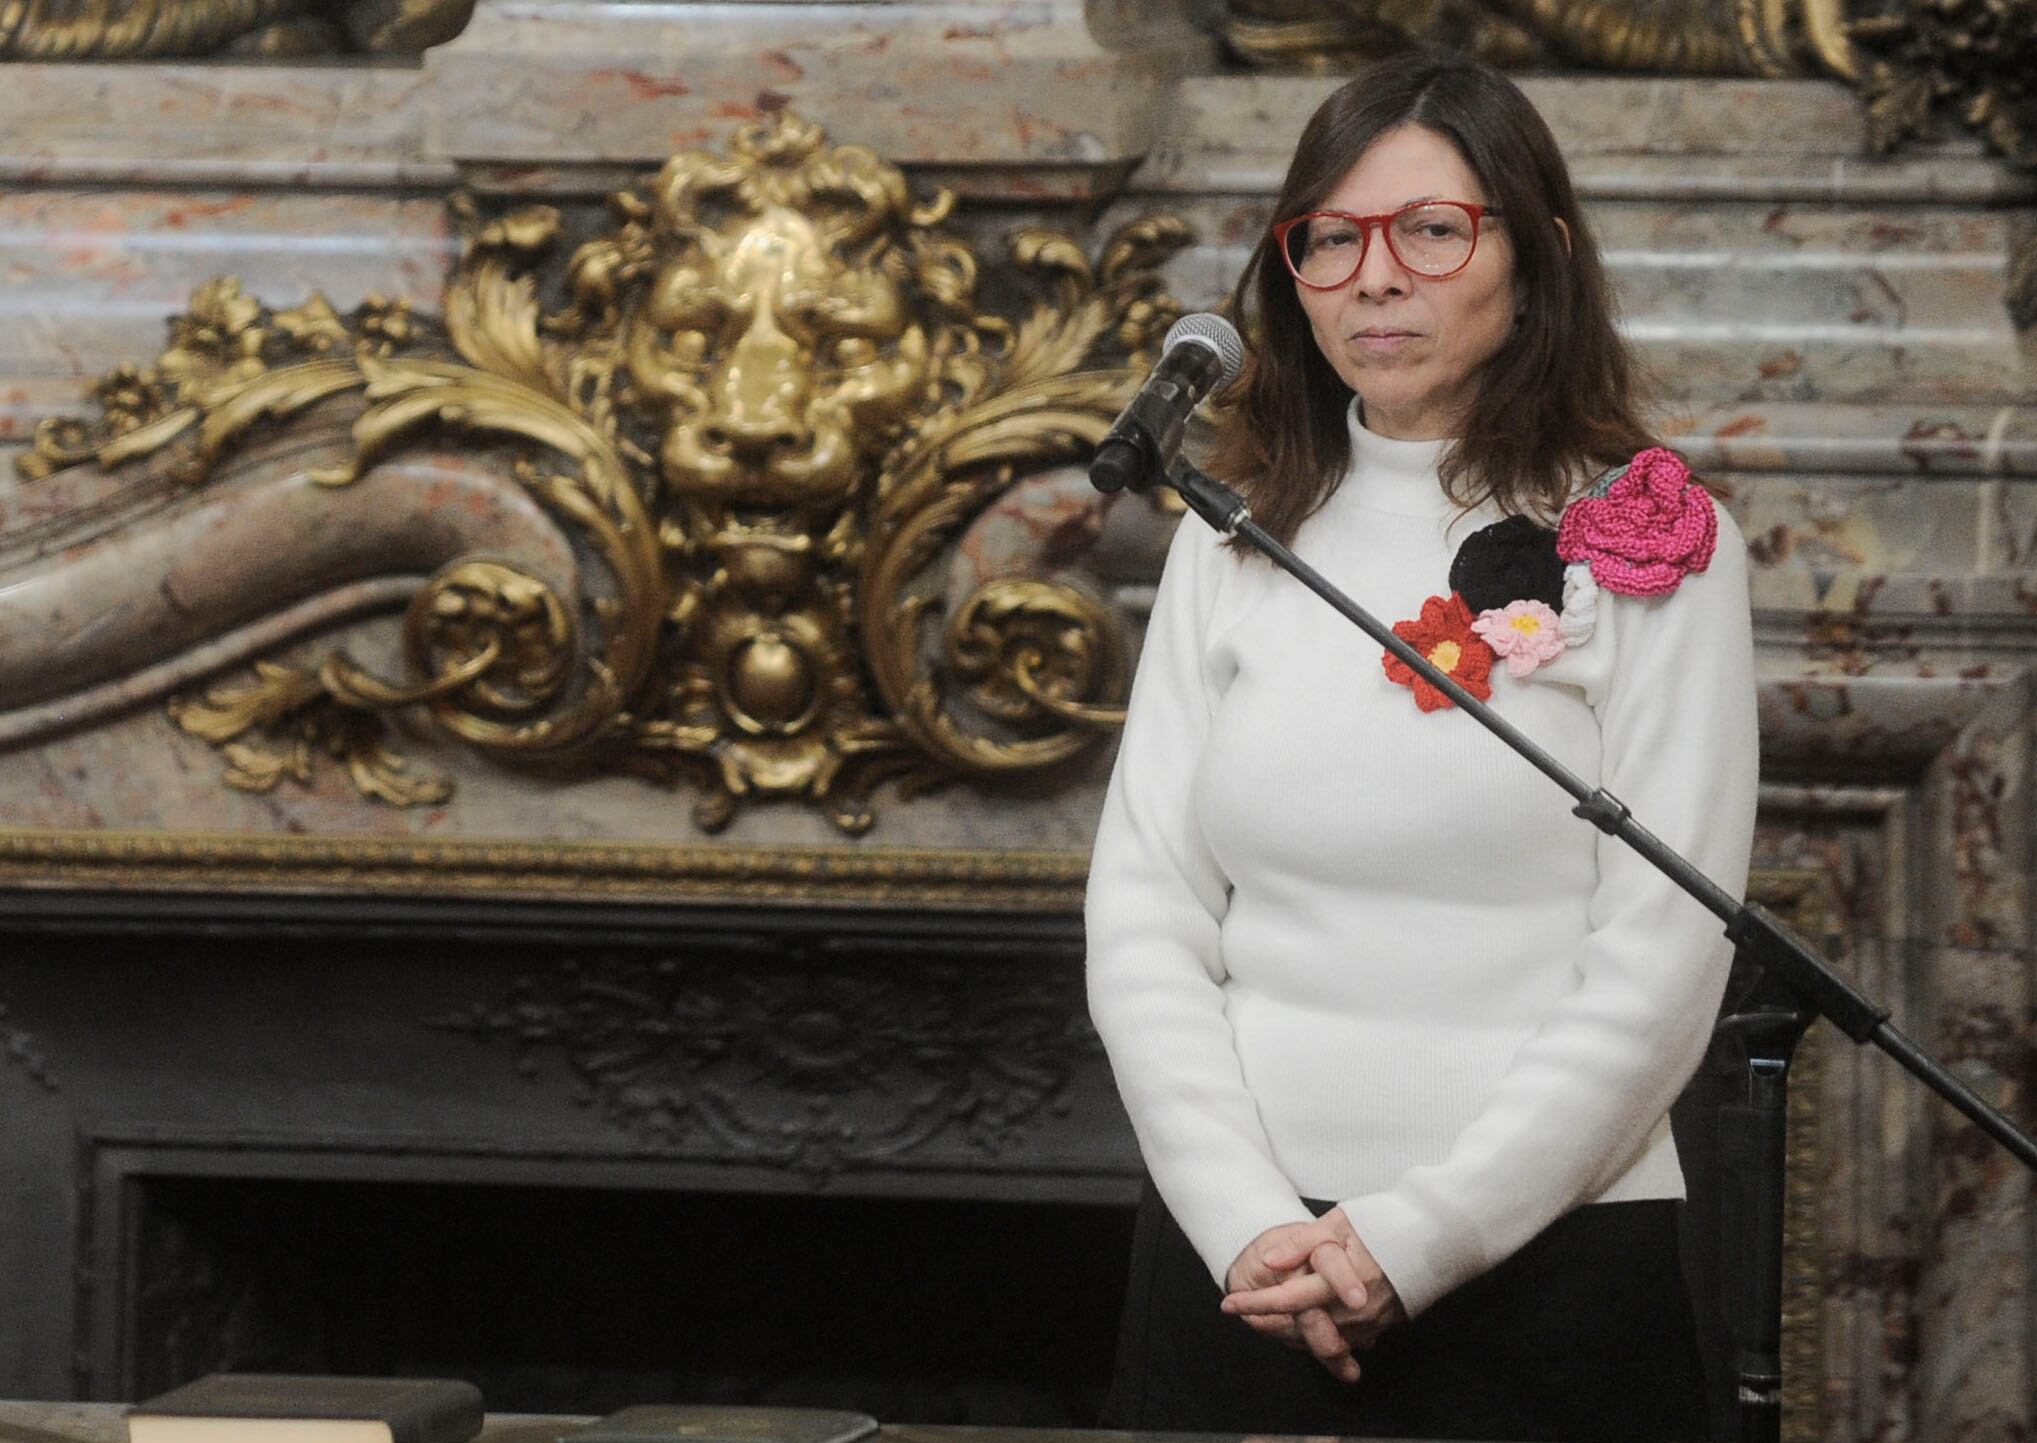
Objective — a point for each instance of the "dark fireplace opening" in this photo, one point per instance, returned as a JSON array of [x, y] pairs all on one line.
[[564, 1300]]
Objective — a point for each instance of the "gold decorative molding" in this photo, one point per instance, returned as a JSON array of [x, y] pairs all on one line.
[[50, 30], [1031, 881], [1682, 37], [768, 404], [778, 876], [1912, 60]]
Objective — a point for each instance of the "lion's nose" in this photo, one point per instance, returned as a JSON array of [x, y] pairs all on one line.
[[740, 436]]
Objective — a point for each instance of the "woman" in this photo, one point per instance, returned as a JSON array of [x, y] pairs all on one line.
[[1397, 1032]]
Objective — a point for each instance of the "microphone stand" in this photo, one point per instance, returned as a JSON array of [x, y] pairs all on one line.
[[1795, 987]]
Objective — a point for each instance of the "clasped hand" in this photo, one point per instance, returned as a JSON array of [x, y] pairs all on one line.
[[1314, 1285]]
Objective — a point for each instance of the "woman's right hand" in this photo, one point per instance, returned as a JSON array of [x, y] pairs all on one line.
[[1316, 1330], [1314, 1285]]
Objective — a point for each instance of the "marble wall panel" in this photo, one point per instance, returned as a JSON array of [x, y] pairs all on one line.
[[1814, 538], [2009, 539], [1011, 82], [1904, 439], [1624, 137], [1741, 361], [1853, 838], [87, 277], [198, 124]]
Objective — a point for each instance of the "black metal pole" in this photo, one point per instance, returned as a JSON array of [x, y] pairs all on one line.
[[1765, 1028]]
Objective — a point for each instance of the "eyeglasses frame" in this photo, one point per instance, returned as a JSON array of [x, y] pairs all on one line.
[[1367, 224]]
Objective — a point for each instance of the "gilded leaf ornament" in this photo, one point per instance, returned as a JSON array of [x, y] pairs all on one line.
[[766, 403], [53, 30], [1975, 60], [1911, 60], [1677, 37]]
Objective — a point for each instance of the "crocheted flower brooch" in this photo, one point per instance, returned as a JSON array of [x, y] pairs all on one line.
[[1522, 593], [1444, 636], [1652, 527]]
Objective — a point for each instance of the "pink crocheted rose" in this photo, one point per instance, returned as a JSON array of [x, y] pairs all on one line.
[[1650, 530], [1527, 633]]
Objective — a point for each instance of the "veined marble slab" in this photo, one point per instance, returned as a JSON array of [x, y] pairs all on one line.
[[87, 277], [219, 123], [1624, 137], [954, 82]]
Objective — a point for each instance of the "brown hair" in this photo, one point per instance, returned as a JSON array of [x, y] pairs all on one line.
[[1558, 402]]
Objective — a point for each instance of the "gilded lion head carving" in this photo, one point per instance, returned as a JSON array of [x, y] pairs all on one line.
[[798, 309]]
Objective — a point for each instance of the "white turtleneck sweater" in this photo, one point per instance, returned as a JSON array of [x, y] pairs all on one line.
[[1340, 948]]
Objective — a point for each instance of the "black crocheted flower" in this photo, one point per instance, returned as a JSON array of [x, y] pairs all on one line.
[[1510, 560]]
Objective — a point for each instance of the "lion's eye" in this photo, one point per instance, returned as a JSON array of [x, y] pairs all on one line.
[[684, 301], [853, 351]]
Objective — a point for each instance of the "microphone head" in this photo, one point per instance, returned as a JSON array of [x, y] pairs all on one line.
[[1205, 328]]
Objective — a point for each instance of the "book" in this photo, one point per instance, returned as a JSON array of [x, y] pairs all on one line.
[[282, 1408], [709, 1423]]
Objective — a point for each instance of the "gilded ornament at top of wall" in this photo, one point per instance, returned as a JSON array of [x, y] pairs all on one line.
[[56, 30], [1912, 60], [1687, 37]]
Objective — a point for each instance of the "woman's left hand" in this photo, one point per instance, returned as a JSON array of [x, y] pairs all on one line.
[[1338, 1275]]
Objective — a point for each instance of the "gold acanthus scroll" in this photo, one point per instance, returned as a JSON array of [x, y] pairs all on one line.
[[769, 402]]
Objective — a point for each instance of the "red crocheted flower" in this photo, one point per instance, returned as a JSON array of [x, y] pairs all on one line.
[[1445, 637], [1652, 528]]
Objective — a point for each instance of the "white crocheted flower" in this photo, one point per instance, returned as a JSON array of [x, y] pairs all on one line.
[[1580, 604]]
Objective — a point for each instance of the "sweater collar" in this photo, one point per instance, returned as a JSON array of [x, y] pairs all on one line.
[[1395, 476]]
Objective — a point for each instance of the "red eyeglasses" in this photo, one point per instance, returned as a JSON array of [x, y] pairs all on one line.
[[1432, 238]]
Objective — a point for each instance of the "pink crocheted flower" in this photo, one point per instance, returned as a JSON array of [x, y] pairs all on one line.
[[1527, 633], [1650, 530]]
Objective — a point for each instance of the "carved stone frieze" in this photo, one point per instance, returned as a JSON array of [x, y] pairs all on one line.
[[801, 1067], [768, 402]]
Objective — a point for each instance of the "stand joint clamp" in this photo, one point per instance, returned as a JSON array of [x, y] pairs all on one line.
[[1208, 497], [1604, 811]]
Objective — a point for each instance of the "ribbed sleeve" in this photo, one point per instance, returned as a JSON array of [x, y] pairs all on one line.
[[1155, 904]]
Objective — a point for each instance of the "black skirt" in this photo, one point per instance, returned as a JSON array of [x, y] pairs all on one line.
[[1586, 1333]]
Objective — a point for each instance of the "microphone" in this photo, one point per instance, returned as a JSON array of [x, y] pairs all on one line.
[[1200, 355]]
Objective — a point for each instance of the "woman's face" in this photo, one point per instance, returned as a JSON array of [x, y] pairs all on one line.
[[1410, 346]]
